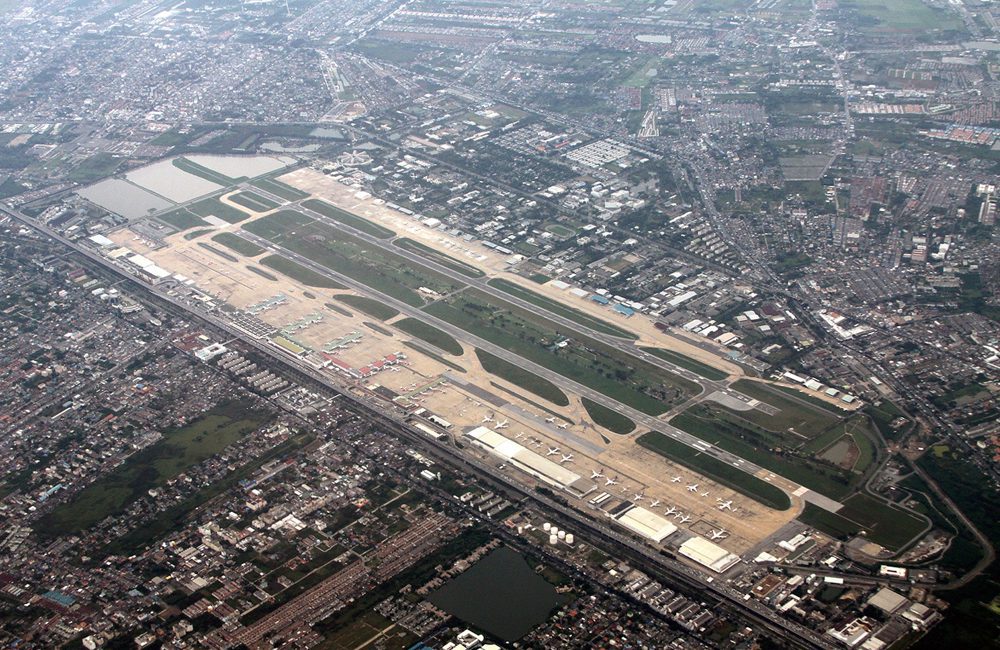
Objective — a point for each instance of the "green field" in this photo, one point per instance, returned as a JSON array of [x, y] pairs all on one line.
[[348, 218], [610, 420], [181, 219], [804, 419], [238, 244], [195, 234], [434, 336], [434, 355], [382, 270], [278, 188], [178, 450], [298, 272], [901, 16], [686, 362], [583, 359], [520, 377], [201, 171], [212, 206], [254, 201], [436, 256], [751, 486], [887, 525], [370, 306], [764, 448], [558, 308]]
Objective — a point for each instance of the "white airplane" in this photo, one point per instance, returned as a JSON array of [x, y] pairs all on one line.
[[563, 425], [639, 496], [488, 418], [693, 488], [552, 451], [654, 503], [725, 505], [672, 510], [676, 479], [503, 425], [519, 436], [704, 494], [596, 474], [537, 442], [550, 420], [610, 481], [567, 458], [685, 519], [717, 534]]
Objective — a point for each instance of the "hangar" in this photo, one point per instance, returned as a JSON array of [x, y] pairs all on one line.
[[707, 554], [648, 524]]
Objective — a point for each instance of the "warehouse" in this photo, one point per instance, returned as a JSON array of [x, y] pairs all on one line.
[[707, 554]]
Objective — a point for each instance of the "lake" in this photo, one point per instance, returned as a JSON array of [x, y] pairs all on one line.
[[501, 594]]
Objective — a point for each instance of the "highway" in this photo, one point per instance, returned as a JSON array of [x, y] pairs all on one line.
[[662, 567]]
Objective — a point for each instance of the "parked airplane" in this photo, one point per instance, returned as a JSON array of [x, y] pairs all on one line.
[[563, 425], [596, 474], [638, 496], [672, 510], [552, 451], [717, 534], [488, 418], [693, 488], [519, 436], [654, 503], [550, 420], [704, 494], [503, 425], [685, 519], [726, 505], [611, 481], [567, 458], [676, 479]]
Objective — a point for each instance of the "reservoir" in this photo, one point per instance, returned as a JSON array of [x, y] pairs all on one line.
[[501, 594]]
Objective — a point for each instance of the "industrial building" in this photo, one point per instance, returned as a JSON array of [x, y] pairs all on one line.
[[647, 523], [527, 461], [707, 554]]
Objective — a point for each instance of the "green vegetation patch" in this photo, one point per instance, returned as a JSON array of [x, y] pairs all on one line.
[[278, 188], [686, 362], [558, 308], [97, 166], [348, 218], [434, 355], [901, 16], [805, 419], [238, 244], [434, 336], [150, 468], [379, 269], [521, 377], [300, 273], [370, 306], [769, 450], [607, 418], [195, 234], [213, 207], [601, 367], [715, 469], [436, 256], [254, 201], [201, 171], [181, 219]]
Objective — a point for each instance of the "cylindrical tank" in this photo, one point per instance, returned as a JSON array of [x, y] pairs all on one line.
[[546, 526], [561, 534], [553, 540], [569, 538]]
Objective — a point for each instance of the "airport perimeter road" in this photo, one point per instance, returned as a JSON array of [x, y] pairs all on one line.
[[664, 567], [640, 418]]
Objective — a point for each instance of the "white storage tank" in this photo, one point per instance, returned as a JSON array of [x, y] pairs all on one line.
[[569, 538], [546, 526], [553, 540], [561, 534]]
